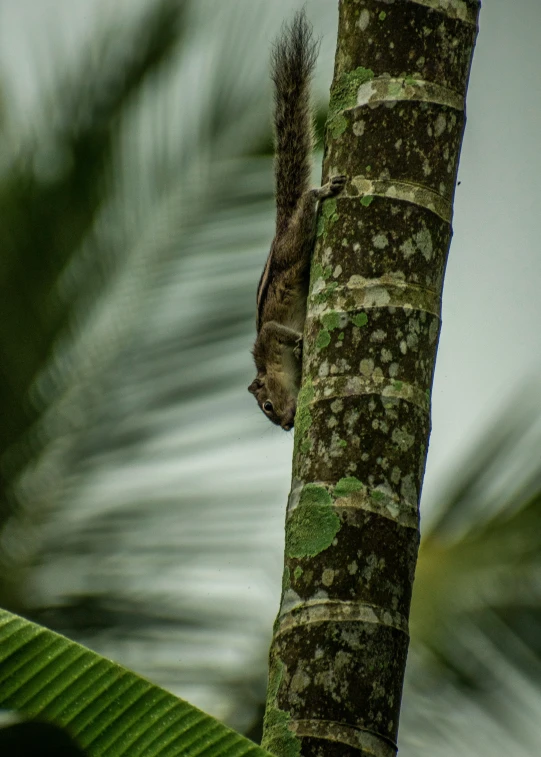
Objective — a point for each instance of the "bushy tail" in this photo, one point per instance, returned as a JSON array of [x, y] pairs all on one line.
[[292, 63]]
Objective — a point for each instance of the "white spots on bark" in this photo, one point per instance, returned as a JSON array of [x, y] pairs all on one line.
[[378, 335], [407, 249], [423, 240], [358, 128], [337, 406], [351, 419], [366, 366], [408, 490], [441, 123], [372, 563], [380, 241], [300, 680], [381, 425], [342, 366], [323, 371], [366, 91], [402, 439], [364, 20], [412, 341], [326, 256], [420, 242], [377, 297], [328, 577]]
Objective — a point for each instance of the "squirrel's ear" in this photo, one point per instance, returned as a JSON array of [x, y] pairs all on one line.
[[255, 385]]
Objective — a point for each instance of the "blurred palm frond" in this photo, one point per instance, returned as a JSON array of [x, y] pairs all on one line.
[[51, 195], [475, 661], [181, 202]]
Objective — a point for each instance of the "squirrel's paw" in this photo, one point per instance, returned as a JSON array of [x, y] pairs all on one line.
[[335, 185], [297, 349]]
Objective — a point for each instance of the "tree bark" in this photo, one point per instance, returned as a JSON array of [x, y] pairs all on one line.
[[395, 126]]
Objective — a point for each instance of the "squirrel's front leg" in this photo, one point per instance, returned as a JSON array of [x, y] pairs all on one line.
[[297, 241], [305, 213], [280, 333], [274, 335]]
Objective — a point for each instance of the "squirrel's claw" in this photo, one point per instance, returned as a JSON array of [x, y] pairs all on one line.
[[335, 185]]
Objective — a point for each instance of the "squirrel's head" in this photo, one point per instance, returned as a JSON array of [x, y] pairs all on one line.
[[275, 399]]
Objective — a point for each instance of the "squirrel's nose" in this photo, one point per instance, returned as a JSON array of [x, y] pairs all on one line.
[[287, 424], [289, 417]]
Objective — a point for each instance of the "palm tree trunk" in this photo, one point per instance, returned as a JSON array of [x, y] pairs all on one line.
[[395, 126]]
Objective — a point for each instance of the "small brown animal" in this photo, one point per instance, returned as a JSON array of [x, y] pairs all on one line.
[[283, 287]]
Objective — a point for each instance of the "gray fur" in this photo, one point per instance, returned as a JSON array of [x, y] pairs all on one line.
[[283, 286]]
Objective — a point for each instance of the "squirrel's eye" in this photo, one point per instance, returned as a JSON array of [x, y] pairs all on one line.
[[267, 406]]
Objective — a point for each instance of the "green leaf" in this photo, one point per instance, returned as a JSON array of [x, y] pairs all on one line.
[[105, 707]]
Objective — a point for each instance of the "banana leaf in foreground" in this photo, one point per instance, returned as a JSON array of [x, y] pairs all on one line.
[[106, 708]]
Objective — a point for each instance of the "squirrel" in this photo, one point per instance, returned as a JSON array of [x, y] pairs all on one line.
[[283, 287]]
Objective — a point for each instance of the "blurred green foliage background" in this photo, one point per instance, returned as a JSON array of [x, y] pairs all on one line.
[[141, 491]]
